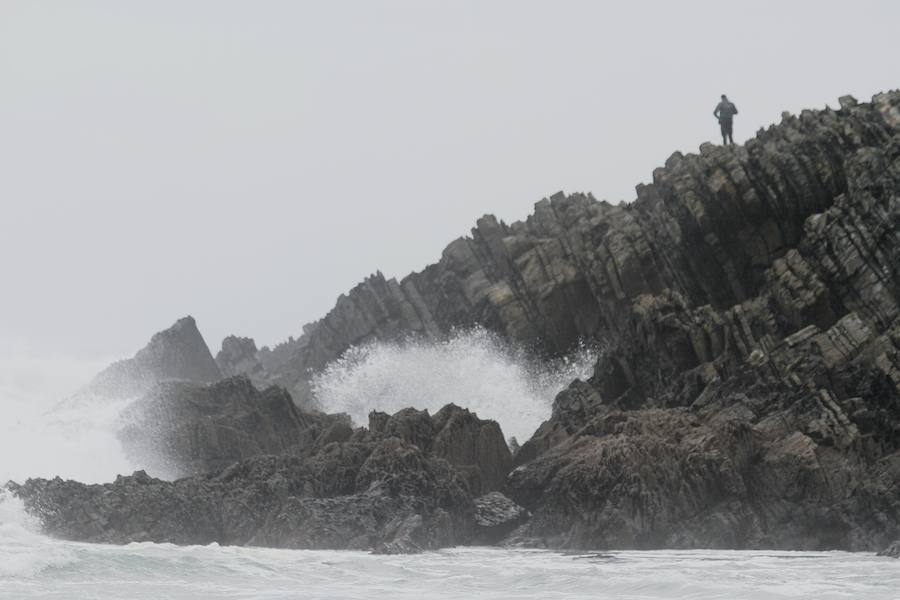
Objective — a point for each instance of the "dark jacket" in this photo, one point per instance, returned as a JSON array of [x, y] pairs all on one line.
[[725, 110]]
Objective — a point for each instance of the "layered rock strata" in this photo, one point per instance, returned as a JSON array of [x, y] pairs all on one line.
[[709, 228], [754, 402]]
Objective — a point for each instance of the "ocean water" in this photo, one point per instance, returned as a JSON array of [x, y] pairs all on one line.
[[38, 438], [34, 566]]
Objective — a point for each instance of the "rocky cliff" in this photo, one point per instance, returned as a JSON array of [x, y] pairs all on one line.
[[708, 229], [749, 396], [752, 401]]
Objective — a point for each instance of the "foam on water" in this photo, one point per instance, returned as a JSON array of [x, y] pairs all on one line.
[[473, 369], [24, 552], [139, 571]]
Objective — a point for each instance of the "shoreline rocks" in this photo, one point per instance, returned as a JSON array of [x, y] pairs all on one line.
[[892, 551], [387, 489]]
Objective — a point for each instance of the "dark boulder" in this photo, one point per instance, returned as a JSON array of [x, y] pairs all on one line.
[[496, 516], [475, 447]]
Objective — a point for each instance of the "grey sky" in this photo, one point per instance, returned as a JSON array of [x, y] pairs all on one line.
[[246, 162]]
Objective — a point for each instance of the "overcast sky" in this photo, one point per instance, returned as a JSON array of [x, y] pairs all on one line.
[[246, 162]]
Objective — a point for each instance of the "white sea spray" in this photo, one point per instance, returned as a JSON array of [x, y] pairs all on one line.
[[474, 369]]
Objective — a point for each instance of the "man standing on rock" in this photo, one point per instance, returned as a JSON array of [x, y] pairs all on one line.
[[724, 112]]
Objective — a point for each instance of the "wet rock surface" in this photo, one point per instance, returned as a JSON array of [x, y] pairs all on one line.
[[386, 489]]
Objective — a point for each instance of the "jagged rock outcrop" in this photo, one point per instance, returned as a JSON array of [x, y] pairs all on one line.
[[180, 428], [754, 400], [175, 354], [387, 489], [238, 357], [708, 228], [473, 446]]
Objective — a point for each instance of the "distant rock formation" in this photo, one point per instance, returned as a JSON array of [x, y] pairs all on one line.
[[238, 357], [175, 354], [182, 428]]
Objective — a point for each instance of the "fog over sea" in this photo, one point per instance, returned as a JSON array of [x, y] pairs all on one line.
[[38, 437]]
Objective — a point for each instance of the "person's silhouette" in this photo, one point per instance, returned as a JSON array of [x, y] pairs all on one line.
[[725, 112]]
